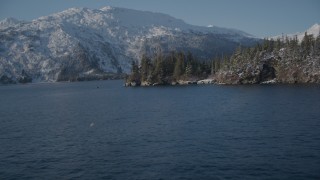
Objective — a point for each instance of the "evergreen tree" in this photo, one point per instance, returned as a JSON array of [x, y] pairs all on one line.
[[271, 45], [170, 61], [293, 44], [159, 73], [188, 71], [212, 67], [226, 63], [306, 44], [317, 46], [265, 44], [278, 45], [145, 68], [216, 65], [135, 74], [179, 66], [293, 49]]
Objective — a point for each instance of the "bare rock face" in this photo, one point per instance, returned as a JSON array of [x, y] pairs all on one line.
[[267, 73]]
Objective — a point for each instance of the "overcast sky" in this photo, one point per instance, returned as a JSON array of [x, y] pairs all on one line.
[[258, 17]]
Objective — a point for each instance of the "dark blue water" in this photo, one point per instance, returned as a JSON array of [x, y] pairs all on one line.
[[79, 131]]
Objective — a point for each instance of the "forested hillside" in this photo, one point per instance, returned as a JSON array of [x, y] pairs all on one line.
[[283, 60]]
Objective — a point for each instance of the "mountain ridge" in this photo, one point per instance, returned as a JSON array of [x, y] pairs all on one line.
[[314, 30], [69, 11], [81, 42]]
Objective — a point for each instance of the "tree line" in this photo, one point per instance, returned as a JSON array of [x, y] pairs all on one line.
[[167, 68], [164, 69]]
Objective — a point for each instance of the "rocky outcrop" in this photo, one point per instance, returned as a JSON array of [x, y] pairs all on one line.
[[262, 73], [206, 81]]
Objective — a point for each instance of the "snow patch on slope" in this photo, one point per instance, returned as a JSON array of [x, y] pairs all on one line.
[[86, 41]]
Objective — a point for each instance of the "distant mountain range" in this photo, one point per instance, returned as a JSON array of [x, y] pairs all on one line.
[[82, 43], [313, 30]]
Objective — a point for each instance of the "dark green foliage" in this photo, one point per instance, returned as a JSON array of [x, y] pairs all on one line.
[[179, 66], [306, 44], [146, 68], [287, 60], [24, 78], [278, 45], [159, 73], [216, 65], [317, 46], [135, 75], [165, 69], [4, 79]]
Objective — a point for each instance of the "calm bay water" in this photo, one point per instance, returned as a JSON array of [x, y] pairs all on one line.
[[80, 131]]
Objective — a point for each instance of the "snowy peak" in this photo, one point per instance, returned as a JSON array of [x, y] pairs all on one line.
[[106, 8], [130, 18], [313, 30], [134, 18], [122, 16]]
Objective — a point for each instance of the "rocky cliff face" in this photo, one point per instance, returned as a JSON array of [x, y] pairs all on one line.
[[82, 43]]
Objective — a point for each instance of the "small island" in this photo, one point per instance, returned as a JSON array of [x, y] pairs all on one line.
[[285, 60]]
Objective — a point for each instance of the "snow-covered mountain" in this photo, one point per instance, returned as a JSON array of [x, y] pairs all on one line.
[[313, 30], [81, 42], [7, 22]]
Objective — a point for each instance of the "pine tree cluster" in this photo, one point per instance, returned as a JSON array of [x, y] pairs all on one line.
[[166, 69], [284, 60]]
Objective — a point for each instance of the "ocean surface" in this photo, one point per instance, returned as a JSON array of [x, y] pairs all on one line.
[[102, 130]]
